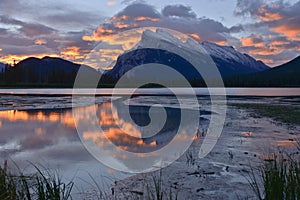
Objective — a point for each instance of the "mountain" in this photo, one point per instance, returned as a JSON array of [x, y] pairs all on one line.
[[285, 75], [45, 71], [149, 50], [231, 62]]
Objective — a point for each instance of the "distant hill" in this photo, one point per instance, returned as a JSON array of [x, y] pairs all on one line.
[[285, 75], [44, 72]]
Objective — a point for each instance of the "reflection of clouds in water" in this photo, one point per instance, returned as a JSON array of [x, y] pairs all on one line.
[[116, 129], [48, 137], [65, 118], [110, 142], [33, 130], [51, 134]]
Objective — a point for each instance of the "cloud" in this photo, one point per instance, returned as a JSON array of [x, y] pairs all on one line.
[[252, 40], [70, 19], [139, 10], [178, 11], [33, 30], [176, 17], [26, 39], [40, 42], [111, 3], [267, 47], [236, 29], [278, 25], [280, 17], [3, 31], [28, 29]]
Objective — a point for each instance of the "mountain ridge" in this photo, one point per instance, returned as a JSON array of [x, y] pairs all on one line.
[[227, 59]]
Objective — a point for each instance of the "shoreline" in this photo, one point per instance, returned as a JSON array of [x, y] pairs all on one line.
[[244, 144]]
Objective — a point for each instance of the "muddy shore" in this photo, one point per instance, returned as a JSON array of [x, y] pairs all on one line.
[[246, 141]]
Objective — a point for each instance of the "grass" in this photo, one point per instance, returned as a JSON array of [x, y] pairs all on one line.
[[50, 186], [8, 188], [282, 113], [159, 192], [43, 185], [46, 185], [280, 179]]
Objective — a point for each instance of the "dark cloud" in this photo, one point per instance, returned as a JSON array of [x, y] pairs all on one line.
[[178, 11], [236, 29], [3, 31], [246, 7], [33, 30], [143, 15], [10, 21], [139, 10], [27, 29], [14, 40], [72, 19]]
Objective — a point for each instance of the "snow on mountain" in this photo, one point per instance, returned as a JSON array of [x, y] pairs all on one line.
[[227, 59], [229, 54], [164, 39]]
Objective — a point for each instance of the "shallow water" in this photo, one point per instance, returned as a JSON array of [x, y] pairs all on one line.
[[162, 91], [41, 130]]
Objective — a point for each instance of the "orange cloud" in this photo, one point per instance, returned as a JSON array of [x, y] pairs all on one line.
[[265, 51], [111, 3], [252, 41], [142, 18], [195, 36], [103, 56], [40, 42], [99, 34], [222, 43], [72, 53], [291, 31], [265, 15]]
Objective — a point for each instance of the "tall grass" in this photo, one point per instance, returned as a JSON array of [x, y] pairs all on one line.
[[159, 192], [43, 185], [8, 189], [50, 186], [280, 179]]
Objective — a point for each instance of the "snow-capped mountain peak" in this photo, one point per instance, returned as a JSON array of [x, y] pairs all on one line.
[[228, 60]]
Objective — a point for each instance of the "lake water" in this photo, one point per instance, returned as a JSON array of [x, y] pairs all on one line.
[[40, 129], [161, 91]]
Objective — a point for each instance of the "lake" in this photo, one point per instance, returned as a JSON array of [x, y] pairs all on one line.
[[41, 129], [161, 91]]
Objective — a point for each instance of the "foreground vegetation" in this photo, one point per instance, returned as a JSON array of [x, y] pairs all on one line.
[[278, 179], [42, 185], [45, 185]]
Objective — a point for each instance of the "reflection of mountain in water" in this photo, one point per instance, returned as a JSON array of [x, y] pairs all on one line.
[[124, 133], [140, 116]]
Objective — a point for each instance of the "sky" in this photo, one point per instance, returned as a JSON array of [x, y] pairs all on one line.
[[268, 30]]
